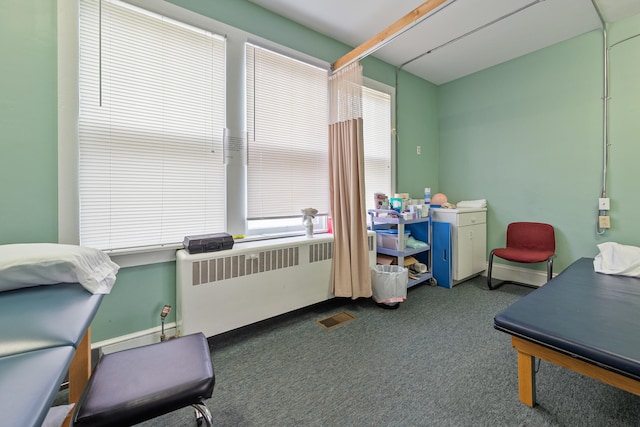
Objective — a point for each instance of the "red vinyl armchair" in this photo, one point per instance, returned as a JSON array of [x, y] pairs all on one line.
[[527, 242]]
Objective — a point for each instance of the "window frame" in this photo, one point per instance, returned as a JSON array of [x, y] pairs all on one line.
[[68, 108], [391, 91], [68, 197], [289, 225], [136, 189], [68, 105]]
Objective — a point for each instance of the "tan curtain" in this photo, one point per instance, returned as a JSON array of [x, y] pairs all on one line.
[[351, 271]]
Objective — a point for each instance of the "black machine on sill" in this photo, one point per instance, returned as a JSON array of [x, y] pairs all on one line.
[[208, 243]]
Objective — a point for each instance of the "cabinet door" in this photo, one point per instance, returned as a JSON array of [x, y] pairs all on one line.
[[441, 255], [479, 239], [470, 250], [464, 253]]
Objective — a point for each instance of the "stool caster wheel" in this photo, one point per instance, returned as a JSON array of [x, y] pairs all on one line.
[[203, 415]]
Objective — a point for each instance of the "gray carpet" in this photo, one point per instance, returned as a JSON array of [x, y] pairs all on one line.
[[435, 361]]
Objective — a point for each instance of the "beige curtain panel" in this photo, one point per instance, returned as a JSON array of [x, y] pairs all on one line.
[[351, 270]]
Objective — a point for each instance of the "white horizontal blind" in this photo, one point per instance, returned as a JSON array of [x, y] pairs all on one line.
[[287, 122], [152, 114], [376, 117]]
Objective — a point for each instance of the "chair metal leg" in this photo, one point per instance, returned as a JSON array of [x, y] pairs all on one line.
[[490, 267], [492, 286], [203, 414]]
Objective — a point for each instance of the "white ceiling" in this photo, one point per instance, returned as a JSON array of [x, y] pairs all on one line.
[[465, 35]]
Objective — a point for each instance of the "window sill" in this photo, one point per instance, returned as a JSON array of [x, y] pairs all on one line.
[[144, 256], [156, 255]]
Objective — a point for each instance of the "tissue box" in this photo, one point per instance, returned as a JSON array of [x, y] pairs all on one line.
[[398, 204]]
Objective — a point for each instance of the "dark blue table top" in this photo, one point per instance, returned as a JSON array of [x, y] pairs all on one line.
[[43, 326], [29, 383], [591, 316], [45, 316]]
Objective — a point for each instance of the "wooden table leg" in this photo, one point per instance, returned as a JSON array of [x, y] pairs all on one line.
[[528, 350], [79, 372], [526, 379]]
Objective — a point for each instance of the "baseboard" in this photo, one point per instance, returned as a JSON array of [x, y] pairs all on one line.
[[136, 339], [518, 274]]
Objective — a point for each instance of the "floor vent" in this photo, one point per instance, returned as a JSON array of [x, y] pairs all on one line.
[[335, 320]]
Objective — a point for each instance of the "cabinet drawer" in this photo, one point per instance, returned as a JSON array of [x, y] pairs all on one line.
[[471, 218]]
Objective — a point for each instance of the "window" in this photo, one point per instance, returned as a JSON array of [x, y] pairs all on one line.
[[287, 123], [377, 108], [152, 114], [142, 153]]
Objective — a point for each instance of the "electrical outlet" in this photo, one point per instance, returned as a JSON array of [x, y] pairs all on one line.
[[603, 204], [418, 150], [165, 311], [604, 221]]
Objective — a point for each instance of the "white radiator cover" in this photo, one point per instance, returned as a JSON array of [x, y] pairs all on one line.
[[220, 291]]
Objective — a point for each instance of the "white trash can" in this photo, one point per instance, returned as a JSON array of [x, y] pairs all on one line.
[[389, 283]]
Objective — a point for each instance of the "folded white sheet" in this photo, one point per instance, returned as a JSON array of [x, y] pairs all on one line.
[[617, 259], [480, 203]]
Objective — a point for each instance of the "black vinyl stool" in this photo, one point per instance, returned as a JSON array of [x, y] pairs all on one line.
[[131, 386]]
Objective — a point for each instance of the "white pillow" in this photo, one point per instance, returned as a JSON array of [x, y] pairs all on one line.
[[32, 264], [614, 258]]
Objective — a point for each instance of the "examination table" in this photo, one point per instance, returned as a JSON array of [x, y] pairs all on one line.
[[44, 335], [581, 320]]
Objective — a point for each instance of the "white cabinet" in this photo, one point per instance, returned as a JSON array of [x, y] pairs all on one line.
[[465, 247]]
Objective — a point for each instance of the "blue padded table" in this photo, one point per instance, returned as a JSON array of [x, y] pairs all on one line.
[[581, 320], [45, 335], [29, 383]]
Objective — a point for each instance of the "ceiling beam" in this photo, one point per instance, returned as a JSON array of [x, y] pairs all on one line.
[[383, 37]]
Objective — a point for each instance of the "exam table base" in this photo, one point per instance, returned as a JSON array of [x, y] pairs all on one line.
[[528, 351]]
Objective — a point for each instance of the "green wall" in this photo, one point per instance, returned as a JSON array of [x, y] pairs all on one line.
[[28, 122], [417, 123], [136, 300], [527, 136], [28, 135]]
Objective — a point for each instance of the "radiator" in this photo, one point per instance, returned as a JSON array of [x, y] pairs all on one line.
[[220, 291]]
